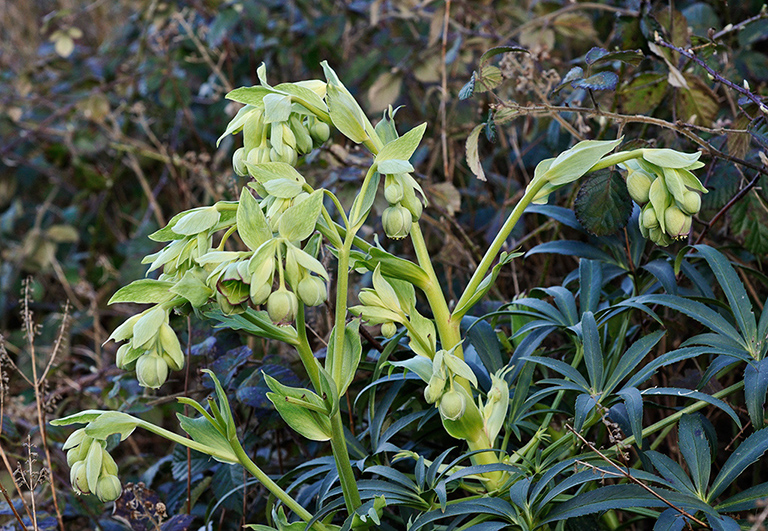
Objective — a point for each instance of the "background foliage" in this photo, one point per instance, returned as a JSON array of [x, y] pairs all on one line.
[[110, 115]]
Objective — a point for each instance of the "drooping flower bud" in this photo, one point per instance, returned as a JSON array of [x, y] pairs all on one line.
[[648, 218], [282, 306], [397, 222], [108, 488], [78, 477], [151, 370], [638, 185], [388, 329], [691, 202], [678, 223], [238, 162], [452, 405], [312, 291], [434, 389], [393, 190], [320, 132]]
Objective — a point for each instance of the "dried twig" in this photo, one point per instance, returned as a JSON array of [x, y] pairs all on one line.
[[633, 479]]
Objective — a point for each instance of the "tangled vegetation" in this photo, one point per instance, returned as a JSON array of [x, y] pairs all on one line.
[[384, 265]]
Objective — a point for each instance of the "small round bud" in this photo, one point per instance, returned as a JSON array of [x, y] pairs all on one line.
[[388, 329], [238, 162], [649, 219], [452, 405], [678, 224], [369, 298], [691, 202], [397, 222], [108, 488], [638, 185], [320, 132], [282, 306], [393, 192], [259, 294], [73, 456], [254, 156], [413, 204], [151, 370], [434, 389], [312, 291]]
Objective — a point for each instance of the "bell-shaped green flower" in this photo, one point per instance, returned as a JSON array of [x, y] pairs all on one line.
[[452, 404], [397, 222], [282, 306], [151, 370], [109, 488], [312, 290]]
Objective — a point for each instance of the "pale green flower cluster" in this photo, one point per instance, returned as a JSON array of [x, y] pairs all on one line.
[[662, 181], [92, 469]]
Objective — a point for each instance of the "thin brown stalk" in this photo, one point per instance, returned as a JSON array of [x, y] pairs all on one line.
[[631, 478]]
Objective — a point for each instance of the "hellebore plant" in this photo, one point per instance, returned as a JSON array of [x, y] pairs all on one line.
[[283, 221]]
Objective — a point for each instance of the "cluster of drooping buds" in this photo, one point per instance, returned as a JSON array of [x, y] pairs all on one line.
[[451, 399], [389, 302], [152, 346], [662, 183], [404, 206], [270, 140], [92, 469]]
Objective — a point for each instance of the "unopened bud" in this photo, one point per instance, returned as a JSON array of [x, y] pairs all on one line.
[[238, 162], [151, 370], [108, 488], [388, 329], [434, 389], [678, 223], [649, 219], [78, 477], [639, 184], [452, 405], [282, 306], [691, 202], [312, 291], [397, 222], [393, 192], [320, 132]]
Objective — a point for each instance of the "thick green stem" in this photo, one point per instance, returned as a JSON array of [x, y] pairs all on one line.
[[447, 330], [343, 465], [305, 352], [495, 248], [273, 487]]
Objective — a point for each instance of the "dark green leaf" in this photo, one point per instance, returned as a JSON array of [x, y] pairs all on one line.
[[601, 81], [468, 89], [632, 57], [573, 74], [755, 388], [643, 93], [496, 50], [671, 471], [747, 453], [593, 352], [603, 205], [482, 336], [695, 448]]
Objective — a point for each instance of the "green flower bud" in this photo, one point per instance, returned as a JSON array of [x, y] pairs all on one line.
[[434, 389], [303, 138], [452, 405], [282, 306], [639, 184], [691, 202], [370, 298], [151, 370], [259, 294], [238, 161], [397, 222], [312, 291], [412, 203], [388, 329], [659, 237], [320, 132], [648, 218], [108, 465], [678, 223], [78, 478], [288, 137], [108, 488], [393, 190], [73, 456]]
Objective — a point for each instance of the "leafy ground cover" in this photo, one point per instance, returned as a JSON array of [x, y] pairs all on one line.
[[636, 373]]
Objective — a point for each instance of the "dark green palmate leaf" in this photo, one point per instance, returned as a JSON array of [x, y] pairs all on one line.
[[603, 205]]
